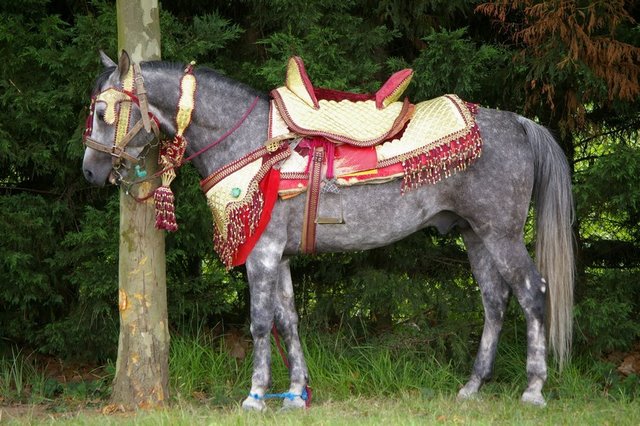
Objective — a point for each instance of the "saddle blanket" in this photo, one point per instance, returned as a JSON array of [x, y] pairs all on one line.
[[241, 196], [440, 138]]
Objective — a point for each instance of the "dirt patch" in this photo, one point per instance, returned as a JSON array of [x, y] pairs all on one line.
[[70, 372], [628, 363]]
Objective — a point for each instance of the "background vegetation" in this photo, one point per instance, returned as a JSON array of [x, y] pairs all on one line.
[[572, 65]]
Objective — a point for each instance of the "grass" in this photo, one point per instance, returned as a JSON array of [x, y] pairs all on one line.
[[400, 409], [19, 377], [374, 383]]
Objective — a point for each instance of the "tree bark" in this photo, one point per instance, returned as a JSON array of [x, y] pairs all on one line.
[[142, 367]]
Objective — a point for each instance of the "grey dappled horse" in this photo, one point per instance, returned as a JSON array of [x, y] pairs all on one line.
[[487, 203]]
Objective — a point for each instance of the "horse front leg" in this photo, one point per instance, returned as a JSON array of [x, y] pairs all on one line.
[[287, 324], [495, 295], [262, 273]]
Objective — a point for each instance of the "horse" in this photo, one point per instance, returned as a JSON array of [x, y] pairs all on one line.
[[487, 204]]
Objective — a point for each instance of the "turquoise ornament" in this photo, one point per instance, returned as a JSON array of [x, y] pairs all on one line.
[[235, 192], [140, 172]]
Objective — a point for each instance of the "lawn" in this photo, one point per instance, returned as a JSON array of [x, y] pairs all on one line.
[[374, 383], [398, 409]]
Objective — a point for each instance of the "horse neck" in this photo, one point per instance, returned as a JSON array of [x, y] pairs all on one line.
[[219, 104]]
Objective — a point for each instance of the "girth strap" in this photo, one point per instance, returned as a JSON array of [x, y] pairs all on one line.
[[308, 243]]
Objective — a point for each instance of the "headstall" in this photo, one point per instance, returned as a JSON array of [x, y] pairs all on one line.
[[118, 113]]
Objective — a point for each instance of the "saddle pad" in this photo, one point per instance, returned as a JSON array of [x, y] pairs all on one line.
[[435, 122], [356, 123], [441, 138]]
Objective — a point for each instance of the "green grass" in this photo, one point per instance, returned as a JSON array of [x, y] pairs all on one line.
[[373, 383], [401, 409], [19, 377]]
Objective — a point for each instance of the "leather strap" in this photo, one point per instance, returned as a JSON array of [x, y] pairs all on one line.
[[118, 151], [308, 243], [141, 93], [115, 151]]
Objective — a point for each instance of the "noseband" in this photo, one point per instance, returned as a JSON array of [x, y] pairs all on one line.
[[132, 92]]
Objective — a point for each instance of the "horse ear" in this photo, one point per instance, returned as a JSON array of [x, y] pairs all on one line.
[[123, 64], [106, 61]]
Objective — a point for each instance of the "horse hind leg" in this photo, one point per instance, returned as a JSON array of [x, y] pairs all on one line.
[[495, 295], [516, 267], [286, 320]]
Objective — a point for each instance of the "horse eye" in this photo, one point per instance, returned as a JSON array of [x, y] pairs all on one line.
[[101, 115]]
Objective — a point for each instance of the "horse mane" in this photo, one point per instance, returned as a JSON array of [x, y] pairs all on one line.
[[102, 78], [205, 73]]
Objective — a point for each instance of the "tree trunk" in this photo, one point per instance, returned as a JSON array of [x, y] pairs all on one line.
[[142, 375]]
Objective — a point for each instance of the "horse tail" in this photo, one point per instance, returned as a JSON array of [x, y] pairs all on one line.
[[554, 237]]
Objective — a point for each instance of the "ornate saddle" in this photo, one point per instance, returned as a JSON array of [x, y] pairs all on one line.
[[340, 117], [342, 139]]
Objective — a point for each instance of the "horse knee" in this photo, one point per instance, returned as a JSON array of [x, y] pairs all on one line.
[[260, 328]]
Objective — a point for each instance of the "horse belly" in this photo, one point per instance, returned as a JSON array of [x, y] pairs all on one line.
[[363, 217]]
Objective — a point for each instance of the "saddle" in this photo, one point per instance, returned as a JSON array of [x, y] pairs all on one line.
[[349, 139], [341, 117]]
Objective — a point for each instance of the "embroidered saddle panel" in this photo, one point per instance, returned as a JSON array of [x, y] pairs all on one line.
[[361, 120], [241, 196], [441, 138], [435, 123], [357, 123]]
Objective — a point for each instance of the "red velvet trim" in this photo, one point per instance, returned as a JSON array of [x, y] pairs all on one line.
[[392, 84], [269, 189], [338, 95]]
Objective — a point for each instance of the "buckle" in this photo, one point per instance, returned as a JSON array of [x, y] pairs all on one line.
[[116, 151]]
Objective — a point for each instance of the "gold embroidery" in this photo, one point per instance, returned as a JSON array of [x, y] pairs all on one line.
[[221, 197], [112, 98], [435, 122], [186, 103]]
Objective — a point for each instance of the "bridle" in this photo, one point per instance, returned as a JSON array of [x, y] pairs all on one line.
[[171, 152], [131, 92]]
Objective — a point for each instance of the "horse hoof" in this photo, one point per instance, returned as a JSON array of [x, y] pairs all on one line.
[[296, 403], [469, 391], [534, 398], [466, 395], [252, 404]]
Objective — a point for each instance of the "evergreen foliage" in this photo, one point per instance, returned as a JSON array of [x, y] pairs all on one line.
[[58, 236]]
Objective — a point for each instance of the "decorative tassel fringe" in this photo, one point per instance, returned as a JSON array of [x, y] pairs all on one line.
[[165, 210], [242, 222], [171, 153], [441, 162]]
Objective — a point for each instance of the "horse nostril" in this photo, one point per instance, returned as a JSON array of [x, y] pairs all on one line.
[[88, 175]]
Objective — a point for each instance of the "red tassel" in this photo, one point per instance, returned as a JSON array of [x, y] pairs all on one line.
[[165, 210]]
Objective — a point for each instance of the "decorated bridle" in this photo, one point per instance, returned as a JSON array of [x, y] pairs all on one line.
[[171, 151], [131, 92]]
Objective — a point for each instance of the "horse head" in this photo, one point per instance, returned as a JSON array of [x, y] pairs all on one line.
[[119, 127]]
